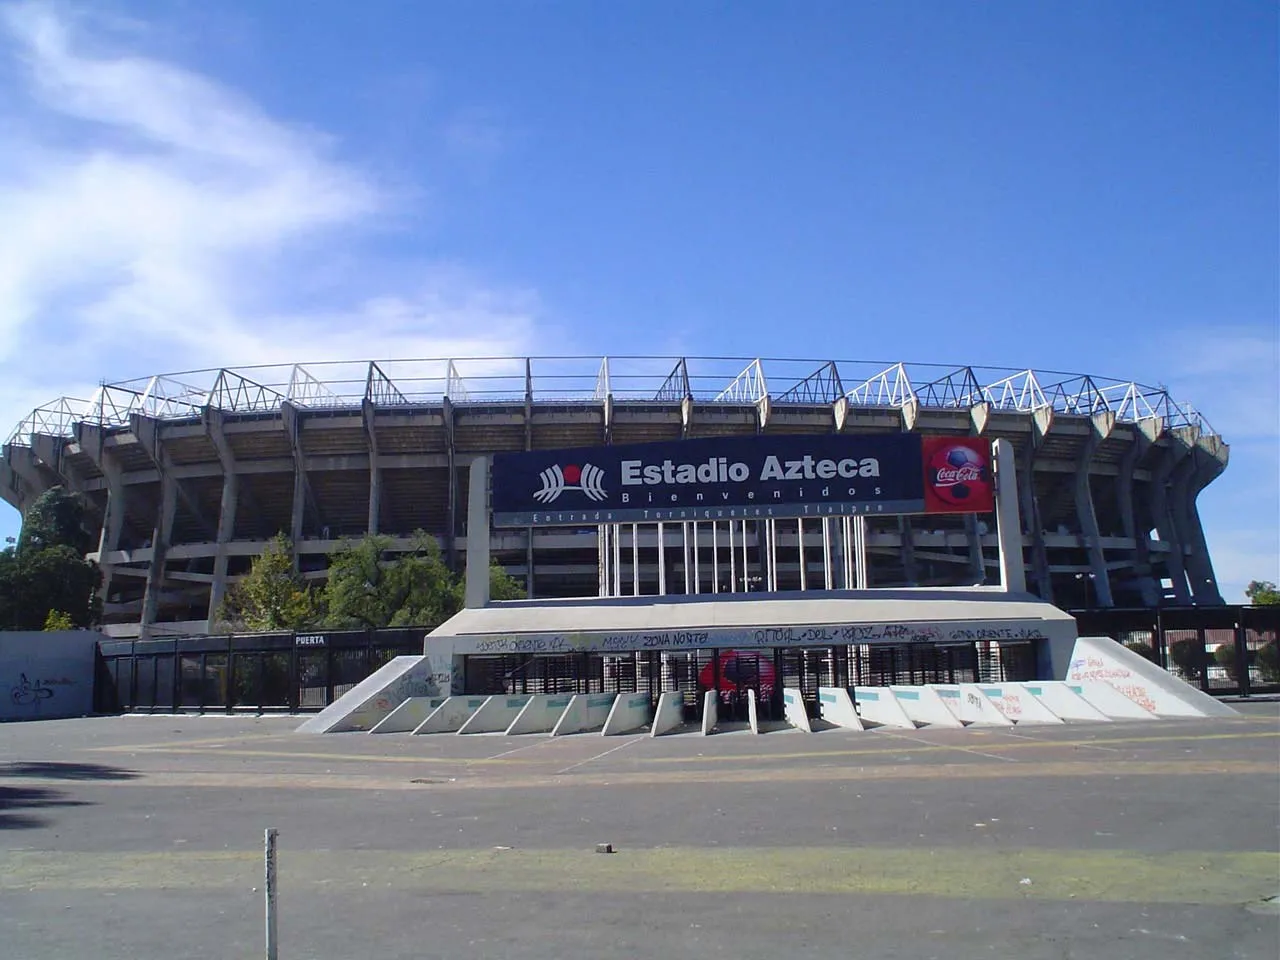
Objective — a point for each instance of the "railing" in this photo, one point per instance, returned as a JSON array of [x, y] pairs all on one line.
[[730, 380]]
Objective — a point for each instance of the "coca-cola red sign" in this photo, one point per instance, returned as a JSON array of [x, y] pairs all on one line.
[[957, 475]]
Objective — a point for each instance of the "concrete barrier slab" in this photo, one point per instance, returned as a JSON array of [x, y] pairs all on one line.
[[1065, 702], [1017, 704], [369, 701], [753, 712], [669, 715], [450, 715], [878, 705], [586, 713], [924, 707], [836, 706], [1145, 683], [406, 717], [1110, 701], [710, 712], [630, 712], [793, 709], [971, 705], [540, 714], [495, 714]]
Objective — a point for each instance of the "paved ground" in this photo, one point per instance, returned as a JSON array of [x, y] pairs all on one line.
[[140, 837]]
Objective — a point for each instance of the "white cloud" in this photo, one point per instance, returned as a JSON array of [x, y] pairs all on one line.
[[155, 219]]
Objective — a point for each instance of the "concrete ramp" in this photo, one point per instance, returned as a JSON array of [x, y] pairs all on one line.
[[669, 715], [451, 715], [836, 706], [793, 709], [971, 705], [540, 714], [1145, 683], [710, 712], [586, 713], [1017, 704], [878, 705], [1064, 702], [1110, 701], [630, 712], [495, 714], [406, 717], [370, 700], [924, 707]]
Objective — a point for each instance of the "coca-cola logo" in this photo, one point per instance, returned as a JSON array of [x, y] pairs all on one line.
[[959, 475]]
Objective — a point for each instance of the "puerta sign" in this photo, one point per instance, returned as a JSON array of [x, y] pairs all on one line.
[[735, 478]]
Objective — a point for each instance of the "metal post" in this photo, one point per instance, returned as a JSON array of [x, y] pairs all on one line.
[[270, 892], [826, 552], [635, 560], [715, 557], [662, 562], [617, 559], [746, 579], [732, 561], [697, 570], [800, 545], [684, 556]]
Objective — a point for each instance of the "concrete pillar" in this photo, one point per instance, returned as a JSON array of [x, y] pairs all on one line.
[[159, 545], [977, 569], [1100, 429], [477, 583], [451, 509], [908, 548], [1145, 433], [1162, 514], [213, 421], [1013, 571], [1189, 478], [92, 441], [367, 412], [1031, 522]]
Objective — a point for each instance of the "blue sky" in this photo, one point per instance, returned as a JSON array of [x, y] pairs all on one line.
[[1086, 186]]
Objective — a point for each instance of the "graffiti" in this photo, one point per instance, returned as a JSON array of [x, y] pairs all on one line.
[[27, 694], [555, 644], [996, 633], [1095, 668]]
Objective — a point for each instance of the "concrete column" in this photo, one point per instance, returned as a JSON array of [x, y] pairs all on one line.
[[1206, 460], [1162, 514], [367, 412], [1101, 426], [908, 548], [91, 439], [1031, 522], [159, 546], [1145, 433], [451, 510], [977, 569], [477, 583], [213, 420], [1013, 570]]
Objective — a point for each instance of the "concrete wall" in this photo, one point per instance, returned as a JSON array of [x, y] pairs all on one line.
[[44, 676]]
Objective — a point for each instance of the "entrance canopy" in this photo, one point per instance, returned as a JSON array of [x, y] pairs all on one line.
[[615, 624]]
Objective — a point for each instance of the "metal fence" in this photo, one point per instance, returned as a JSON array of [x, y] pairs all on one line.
[[1226, 651], [256, 672]]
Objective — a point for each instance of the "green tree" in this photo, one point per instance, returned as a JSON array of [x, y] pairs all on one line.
[[369, 587], [503, 586], [271, 596], [57, 620], [1262, 593], [57, 518], [47, 571]]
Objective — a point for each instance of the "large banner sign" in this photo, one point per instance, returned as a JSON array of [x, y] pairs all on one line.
[[735, 478]]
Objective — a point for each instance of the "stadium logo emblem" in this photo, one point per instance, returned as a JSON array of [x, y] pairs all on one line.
[[959, 475], [556, 480]]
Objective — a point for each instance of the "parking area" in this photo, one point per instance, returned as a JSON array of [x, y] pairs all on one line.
[[141, 836]]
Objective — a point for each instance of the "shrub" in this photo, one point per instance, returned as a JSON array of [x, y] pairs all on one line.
[[1187, 655], [1225, 657], [1268, 660], [1142, 649]]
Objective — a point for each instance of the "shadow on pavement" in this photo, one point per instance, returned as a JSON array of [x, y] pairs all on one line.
[[16, 804], [50, 770]]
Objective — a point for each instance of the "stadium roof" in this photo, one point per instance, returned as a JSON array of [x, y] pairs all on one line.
[[406, 383]]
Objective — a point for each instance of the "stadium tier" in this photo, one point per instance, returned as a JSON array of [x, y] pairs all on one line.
[[189, 474]]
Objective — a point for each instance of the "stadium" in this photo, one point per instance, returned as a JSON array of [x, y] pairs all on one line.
[[189, 474]]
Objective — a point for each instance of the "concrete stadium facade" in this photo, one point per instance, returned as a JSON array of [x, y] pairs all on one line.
[[189, 474]]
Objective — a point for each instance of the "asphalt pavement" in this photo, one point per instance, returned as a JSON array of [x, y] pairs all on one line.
[[141, 837]]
